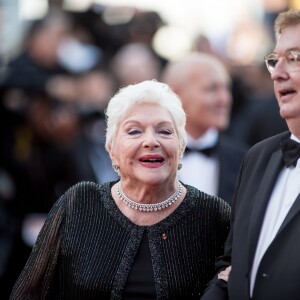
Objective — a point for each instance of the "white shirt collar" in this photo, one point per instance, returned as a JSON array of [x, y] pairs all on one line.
[[293, 137], [209, 139]]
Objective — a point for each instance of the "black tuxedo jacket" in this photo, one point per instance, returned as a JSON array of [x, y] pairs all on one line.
[[278, 272]]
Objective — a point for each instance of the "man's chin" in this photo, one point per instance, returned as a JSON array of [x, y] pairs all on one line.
[[288, 114]]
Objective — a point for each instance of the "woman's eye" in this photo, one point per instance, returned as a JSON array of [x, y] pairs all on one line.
[[134, 131], [166, 132]]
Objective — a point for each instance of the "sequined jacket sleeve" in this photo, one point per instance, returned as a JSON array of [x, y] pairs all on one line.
[[40, 273]]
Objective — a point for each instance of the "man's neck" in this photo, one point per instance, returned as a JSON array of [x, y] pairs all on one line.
[[196, 133], [294, 127]]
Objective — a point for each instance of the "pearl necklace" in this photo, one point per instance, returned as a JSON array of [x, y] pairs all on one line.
[[149, 207]]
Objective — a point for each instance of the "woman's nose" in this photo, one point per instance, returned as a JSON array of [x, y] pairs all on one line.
[[150, 139]]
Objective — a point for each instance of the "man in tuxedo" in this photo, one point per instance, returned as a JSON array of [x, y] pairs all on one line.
[[211, 161], [263, 245]]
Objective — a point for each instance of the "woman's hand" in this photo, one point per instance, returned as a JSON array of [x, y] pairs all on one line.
[[225, 274]]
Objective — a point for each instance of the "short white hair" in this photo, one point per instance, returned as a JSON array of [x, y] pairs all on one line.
[[149, 91]]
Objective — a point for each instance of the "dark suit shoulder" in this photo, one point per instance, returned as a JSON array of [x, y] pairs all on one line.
[[270, 144], [228, 143], [259, 156]]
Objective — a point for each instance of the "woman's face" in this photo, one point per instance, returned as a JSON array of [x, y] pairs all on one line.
[[147, 147]]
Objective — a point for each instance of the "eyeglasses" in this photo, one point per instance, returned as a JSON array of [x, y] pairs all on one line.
[[291, 60]]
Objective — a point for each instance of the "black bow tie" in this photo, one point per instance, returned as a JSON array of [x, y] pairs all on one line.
[[206, 151], [291, 152]]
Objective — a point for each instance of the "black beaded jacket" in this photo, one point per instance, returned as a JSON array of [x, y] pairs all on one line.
[[87, 246]]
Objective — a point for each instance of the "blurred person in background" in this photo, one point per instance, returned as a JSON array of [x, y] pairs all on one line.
[[255, 112], [135, 62], [49, 93], [202, 43], [145, 236], [113, 26], [38, 59], [88, 152], [33, 140], [254, 109], [212, 159], [257, 116]]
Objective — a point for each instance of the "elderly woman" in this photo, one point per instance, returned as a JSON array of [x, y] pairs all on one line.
[[146, 236]]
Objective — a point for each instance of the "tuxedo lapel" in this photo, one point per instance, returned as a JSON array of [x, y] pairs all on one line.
[[292, 212], [263, 195]]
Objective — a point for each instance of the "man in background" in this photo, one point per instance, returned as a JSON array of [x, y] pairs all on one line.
[[211, 161]]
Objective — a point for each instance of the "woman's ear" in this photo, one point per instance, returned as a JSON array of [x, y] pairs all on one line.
[[112, 155], [182, 148], [109, 150], [114, 161]]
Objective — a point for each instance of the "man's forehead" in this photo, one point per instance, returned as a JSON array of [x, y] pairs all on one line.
[[288, 39]]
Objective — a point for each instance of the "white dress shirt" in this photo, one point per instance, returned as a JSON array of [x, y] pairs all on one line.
[[285, 192], [198, 169]]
